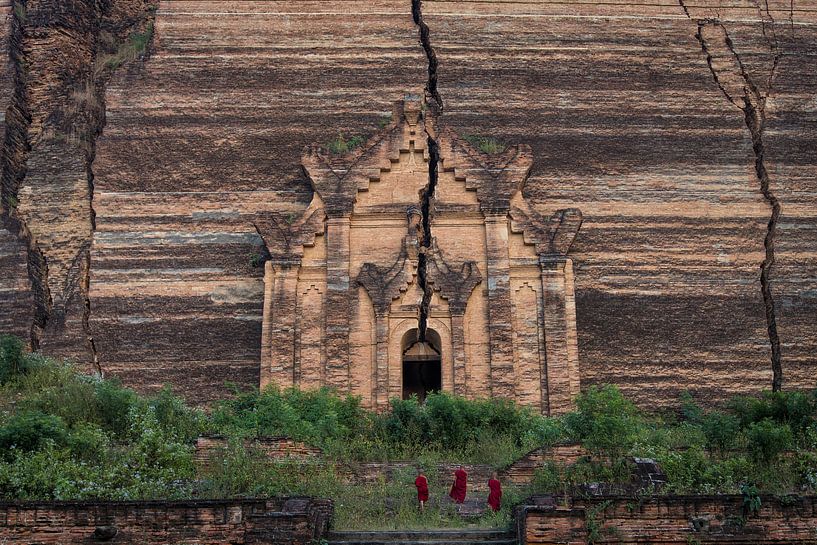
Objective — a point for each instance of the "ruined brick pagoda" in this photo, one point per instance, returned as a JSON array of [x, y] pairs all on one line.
[[399, 279]]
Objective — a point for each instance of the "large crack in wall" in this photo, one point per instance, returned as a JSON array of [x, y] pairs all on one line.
[[733, 79], [49, 150], [433, 109], [16, 148]]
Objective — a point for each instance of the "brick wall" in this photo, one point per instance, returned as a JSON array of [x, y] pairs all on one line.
[[668, 520], [276, 448], [522, 470], [295, 521]]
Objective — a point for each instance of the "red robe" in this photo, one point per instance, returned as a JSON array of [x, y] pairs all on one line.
[[495, 496], [422, 488], [458, 488]]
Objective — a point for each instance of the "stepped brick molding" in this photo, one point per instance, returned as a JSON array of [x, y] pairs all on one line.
[[288, 521], [353, 280], [668, 520]]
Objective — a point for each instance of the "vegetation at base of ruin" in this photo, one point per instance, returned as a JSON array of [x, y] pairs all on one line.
[[118, 54], [384, 504], [68, 435], [445, 427], [485, 144], [340, 145]]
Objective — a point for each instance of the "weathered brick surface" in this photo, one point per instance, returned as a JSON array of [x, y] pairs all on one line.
[[16, 304], [669, 520], [296, 521], [202, 142], [627, 123], [617, 102]]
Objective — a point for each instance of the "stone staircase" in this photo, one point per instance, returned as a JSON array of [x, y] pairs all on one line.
[[457, 536]]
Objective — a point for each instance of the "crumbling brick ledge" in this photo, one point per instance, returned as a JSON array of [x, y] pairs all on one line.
[[295, 520], [667, 520]]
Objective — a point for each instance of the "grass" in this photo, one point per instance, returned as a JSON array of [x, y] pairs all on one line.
[[340, 145], [383, 505], [485, 144], [20, 12], [134, 47]]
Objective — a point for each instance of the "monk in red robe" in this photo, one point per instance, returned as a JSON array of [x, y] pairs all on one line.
[[458, 488], [495, 494], [422, 489]]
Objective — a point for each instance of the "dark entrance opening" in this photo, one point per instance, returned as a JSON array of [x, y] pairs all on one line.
[[422, 367]]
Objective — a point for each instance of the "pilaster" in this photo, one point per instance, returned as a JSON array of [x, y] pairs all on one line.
[[337, 302], [561, 345]]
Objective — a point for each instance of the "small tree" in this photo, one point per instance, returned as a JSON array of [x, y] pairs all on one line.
[[606, 422], [12, 358], [768, 439], [721, 430]]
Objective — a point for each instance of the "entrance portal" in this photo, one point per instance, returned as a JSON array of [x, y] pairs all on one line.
[[422, 368]]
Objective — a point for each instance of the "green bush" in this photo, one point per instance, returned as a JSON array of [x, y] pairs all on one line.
[[13, 360], [30, 430], [491, 431], [722, 430], [767, 439], [113, 406], [606, 422], [88, 442], [173, 415], [793, 408], [690, 411]]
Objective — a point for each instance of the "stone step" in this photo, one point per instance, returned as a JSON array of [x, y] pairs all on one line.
[[452, 540], [459, 536]]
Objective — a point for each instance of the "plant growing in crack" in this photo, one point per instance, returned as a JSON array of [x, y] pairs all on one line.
[[751, 499], [256, 260], [134, 47], [20, 12], [340, 145], [384, 121]]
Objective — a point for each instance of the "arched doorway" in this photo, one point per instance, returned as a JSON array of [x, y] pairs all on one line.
[[422, 364]]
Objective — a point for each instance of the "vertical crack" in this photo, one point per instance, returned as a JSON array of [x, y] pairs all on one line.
[[426, 208], [425, 40], [16, 148], [742, 91], [433, 109]]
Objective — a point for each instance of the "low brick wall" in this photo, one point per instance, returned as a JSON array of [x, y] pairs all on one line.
[[296, 521], [667, 520], [521, 471], [275, 448]]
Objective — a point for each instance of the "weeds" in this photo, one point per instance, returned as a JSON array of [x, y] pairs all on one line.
[[134, 47], [20, 12], [340, 145], [485, 144]]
